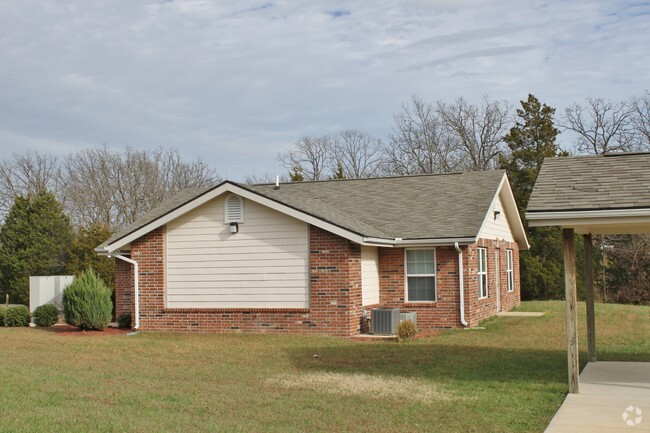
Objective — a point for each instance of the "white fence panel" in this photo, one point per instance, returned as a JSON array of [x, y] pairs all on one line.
[[47, 290]]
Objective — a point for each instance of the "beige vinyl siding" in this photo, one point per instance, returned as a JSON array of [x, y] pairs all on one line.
[[496, 228], [369, 275], [265, 265]]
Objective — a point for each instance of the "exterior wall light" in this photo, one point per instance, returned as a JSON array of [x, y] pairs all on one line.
[[234, 228]]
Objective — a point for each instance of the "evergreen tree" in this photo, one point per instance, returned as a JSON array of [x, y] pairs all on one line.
[[532, 139], [35, 240], [296, 175], [339, 173], [83, 255]]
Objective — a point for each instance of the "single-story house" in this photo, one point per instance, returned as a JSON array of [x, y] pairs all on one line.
[[317, 257]]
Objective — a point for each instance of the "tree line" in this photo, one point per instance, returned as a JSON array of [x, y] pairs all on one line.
[[80, 199]]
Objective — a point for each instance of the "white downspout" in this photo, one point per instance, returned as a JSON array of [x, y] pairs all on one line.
[[136, 289], [461, 287]]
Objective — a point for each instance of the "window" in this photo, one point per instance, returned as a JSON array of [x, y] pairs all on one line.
[[420, 275], [482, 273], [234, 210], [509, 273]]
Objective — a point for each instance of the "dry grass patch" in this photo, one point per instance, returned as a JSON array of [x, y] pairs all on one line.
[[366, 385]]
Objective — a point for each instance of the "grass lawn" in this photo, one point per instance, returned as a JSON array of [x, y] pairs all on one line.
[[510, 376]]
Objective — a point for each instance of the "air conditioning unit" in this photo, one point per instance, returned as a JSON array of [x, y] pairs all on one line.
[[384, 321], [412, 316]]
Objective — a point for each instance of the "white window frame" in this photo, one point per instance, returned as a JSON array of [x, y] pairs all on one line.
[[407, 275], [482, 271], [510, 271]]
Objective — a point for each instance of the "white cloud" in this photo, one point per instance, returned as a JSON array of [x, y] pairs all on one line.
[[237, 82]]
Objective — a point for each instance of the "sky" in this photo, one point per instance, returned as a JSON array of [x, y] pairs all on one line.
[[237, 82]]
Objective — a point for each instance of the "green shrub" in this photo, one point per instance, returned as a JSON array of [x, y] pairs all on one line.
[[46, 315], [406, 331], [87, 302], [18, 315], [2, 316], [124, 321]]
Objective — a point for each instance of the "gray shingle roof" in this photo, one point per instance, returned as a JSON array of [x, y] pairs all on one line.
[[409, 207], [592, 183]]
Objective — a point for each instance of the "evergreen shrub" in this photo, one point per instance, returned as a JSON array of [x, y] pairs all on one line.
[[87, 302]]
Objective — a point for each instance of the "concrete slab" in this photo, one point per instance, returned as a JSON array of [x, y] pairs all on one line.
[[520, 314], [614, 397]]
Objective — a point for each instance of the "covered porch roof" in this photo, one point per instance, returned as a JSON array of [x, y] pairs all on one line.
[[607, 194], [590, 195]]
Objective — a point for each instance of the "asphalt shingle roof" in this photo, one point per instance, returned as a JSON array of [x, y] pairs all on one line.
[[409, 207], [592, 183]]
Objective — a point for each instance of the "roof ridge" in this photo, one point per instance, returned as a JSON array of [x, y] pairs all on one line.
[[404, 176]]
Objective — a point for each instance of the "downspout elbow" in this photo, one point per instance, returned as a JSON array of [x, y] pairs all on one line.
[[461, 288]]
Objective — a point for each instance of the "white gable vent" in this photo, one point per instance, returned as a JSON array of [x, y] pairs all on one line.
[[234, 209]]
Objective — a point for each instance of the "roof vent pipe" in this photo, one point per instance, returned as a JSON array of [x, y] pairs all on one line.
[[277, 182], [461, 287]]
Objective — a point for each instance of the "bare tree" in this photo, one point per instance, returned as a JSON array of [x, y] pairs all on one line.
[[117, 188], [641, 121], [419, 142], [478, 130], [357, 153], [311, 157], [26, 173], [602, 126]]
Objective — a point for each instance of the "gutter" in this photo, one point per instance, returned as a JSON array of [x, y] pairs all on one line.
[[424, 241], [461, 287], [136, 288]]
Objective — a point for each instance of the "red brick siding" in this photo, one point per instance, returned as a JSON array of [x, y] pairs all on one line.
[[444, 313], [335, 293], [124, 288], [481, 309]]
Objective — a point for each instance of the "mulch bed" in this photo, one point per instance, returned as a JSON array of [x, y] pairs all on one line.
[[73, 331]]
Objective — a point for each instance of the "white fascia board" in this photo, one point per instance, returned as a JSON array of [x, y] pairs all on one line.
[[605, 213], [228, 187], [581, 218], [511, 211]]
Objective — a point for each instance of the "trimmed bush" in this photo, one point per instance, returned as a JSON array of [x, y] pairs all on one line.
[[406, 331], [18, 315], [46, 315], [2, 315], [87, 302], [124, 321]]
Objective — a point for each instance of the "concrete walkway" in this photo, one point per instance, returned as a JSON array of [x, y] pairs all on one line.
[[614, 397]]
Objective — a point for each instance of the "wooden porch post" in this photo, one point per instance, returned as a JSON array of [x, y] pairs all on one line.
[[571, 310], [589, 295]]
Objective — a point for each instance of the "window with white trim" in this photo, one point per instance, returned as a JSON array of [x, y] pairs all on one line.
[[482, 273], [234, 209], [509, 271], [420, 275]]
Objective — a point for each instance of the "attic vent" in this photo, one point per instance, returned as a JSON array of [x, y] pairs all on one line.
[[234, 210]]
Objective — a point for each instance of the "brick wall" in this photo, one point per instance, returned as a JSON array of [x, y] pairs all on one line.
[[335, 290], [124, 289], [481, 309], [335, 293], [444, 313]]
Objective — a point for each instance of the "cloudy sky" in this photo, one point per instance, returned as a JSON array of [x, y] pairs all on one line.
[[236, 82]]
